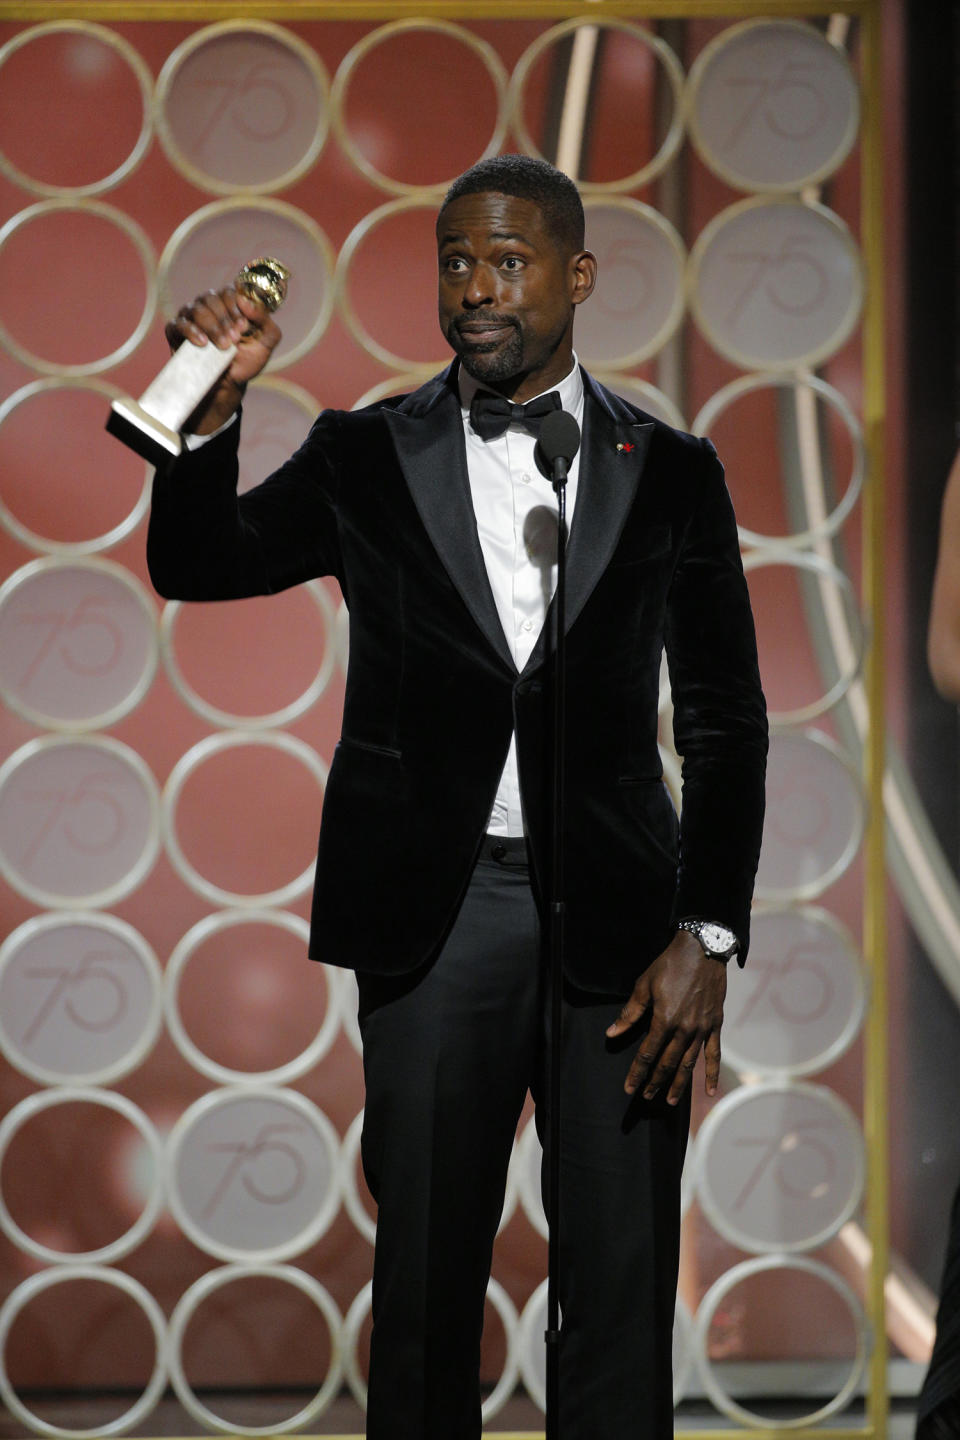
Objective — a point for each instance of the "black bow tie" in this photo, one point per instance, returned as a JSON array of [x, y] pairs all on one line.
[[490, 414]]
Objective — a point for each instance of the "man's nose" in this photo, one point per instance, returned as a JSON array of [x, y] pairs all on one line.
[[479, 289]]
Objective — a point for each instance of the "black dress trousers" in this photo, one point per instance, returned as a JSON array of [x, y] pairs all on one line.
[[450, 1052]]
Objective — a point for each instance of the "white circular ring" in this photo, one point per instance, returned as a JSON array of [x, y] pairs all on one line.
[[342, 629], [223, 1074], [349, 1010], [269, 206], [718, 1293], [282, 36], [529, 1336], [531, 1332], [672, 769], [395, 385], [84, 1095], [638, 391], [68, 547], [500, 1393], [129, 582], [654, 221], [816, 567], [747, 1065], [736, 1100], [510, 1195], [274, 718], [352, 1325], [215, 1280], [38, 925], [156, 1385], [361, 49], [810, 889], [143, 78], [766, 380], [701, 142], [290, 390], [662, 52], [181, 772], [364, 1222], [359, 233], [733, 352], [682, 1330], [141, 243], [349, 1155], [528, 1148], [101, 899], [323, 1218]]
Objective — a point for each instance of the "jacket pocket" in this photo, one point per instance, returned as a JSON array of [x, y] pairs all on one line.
[[369, 748]]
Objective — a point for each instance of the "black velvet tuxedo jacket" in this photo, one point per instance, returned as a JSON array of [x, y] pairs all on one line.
[[380, 499]]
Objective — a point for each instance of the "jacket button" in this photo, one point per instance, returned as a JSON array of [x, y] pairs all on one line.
[[498, 851]]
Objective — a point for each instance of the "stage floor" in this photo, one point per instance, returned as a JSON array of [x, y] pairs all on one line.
[[519, 1420]]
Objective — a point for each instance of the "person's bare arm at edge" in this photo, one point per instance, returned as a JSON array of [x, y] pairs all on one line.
[[683, 990], [223, 318], [943, 635]]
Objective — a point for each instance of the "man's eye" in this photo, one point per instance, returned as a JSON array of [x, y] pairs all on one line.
[[456, 264], [512, 262]]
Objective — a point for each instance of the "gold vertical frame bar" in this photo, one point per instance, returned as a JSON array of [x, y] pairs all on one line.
[[874, 920]]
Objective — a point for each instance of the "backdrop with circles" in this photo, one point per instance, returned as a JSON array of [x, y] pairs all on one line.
[[181, 1092]]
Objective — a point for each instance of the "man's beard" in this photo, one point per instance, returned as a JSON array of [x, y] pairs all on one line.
[[492, 362]]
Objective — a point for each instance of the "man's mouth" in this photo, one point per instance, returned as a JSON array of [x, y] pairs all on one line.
[[482, 332]]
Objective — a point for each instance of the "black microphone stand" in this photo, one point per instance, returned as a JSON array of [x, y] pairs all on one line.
[[555, 948], [559, 441]]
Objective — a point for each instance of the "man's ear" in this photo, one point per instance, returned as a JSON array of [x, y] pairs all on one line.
[[583, 270]]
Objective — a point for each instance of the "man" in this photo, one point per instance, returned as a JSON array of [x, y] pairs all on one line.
[[434, 848]]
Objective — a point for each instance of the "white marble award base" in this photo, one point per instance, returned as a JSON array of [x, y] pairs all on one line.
[[151, 425]]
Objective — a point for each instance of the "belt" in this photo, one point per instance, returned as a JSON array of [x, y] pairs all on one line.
[[506, 850]]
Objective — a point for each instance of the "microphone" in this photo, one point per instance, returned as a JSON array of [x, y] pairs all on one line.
[[557, 444]]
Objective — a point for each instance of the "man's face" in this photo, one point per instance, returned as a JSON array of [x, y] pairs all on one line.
[[508, 287]]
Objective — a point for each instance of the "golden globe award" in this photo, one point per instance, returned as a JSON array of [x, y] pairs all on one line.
[[151, 425]]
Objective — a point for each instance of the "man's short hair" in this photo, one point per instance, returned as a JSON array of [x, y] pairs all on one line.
[[553, 192]]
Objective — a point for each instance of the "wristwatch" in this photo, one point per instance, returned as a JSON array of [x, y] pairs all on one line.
[[717, 940]]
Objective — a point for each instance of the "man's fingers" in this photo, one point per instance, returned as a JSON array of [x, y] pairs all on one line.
[[215, 316], [249, 310], [637, 1073], [633, 1010], [684, 1073], [666, 1068], [651, 1057], [711, 1054], [676, 1067], [186, 326], [174, 335], [220, 316]]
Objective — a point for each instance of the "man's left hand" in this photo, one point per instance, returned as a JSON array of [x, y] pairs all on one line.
[[682, 992]]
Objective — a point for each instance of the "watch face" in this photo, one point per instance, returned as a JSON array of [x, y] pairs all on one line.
[[717, 938]]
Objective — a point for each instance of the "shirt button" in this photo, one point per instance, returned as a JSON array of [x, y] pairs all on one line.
[[526, 478], [527, 625]]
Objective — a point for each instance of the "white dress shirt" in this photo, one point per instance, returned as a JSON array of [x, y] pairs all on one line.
[[516, 511]]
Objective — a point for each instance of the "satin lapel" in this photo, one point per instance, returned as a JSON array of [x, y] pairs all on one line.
[[430, 448], [612, 458]]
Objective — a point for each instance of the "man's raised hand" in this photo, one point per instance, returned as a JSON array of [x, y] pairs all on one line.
[[224, 318]]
